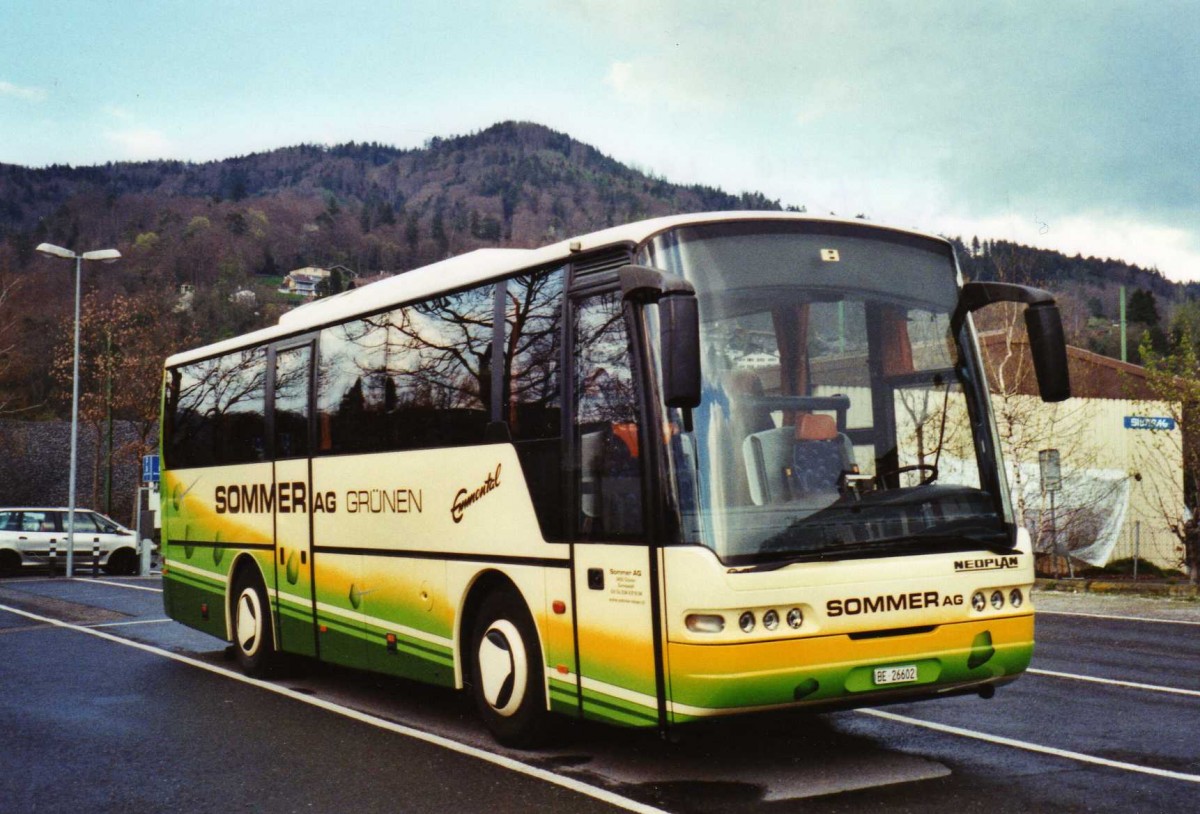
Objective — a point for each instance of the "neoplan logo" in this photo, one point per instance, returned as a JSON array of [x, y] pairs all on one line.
[[987, 564]]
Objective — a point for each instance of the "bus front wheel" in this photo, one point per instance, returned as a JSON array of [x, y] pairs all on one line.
[[252, 638], [507, 675]]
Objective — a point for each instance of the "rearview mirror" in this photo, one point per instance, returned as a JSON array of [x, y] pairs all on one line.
[[1047, 344], [1049, 350], [679, 338], [679, 329]]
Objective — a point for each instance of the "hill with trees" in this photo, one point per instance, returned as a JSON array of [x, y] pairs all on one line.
[[239, 224]]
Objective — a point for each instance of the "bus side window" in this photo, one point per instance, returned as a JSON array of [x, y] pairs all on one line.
[[531, 396], [609, 482], [292, 373]]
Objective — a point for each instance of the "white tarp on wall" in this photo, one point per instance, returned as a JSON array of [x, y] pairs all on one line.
[[1089, 510]]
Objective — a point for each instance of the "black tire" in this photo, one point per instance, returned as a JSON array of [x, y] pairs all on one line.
[[507, 673], [121, 562], [10, 563], [250, 618]]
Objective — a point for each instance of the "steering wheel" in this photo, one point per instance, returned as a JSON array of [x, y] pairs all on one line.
[[931, 469]]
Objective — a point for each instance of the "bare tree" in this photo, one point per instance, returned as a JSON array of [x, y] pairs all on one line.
[[1027, 426], [1173, 378], [8, 333]]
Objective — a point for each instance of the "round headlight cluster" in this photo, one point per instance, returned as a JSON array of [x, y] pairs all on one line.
[[770, 620], [747, 621], [980, 602]]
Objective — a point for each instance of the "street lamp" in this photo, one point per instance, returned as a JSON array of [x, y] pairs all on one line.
[[104, 256]]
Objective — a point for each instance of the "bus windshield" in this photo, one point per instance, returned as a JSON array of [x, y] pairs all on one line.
[[839, 417]]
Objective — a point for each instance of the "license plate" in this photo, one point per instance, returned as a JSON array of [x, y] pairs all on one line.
[[903, 674]]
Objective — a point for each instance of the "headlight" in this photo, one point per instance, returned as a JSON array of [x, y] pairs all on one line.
[[704, 622], [1014, 597], [978, 602], [746, 622], [997, 600], [795, 618], [771, 620]]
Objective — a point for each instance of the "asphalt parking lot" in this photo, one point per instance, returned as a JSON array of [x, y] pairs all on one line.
[[150, 716]]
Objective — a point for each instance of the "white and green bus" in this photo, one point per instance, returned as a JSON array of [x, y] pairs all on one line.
[[689, 467]]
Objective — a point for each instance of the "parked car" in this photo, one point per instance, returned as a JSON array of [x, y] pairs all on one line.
[[29, 535]]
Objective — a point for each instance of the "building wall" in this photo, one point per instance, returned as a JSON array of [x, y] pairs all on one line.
[[1135, 471]]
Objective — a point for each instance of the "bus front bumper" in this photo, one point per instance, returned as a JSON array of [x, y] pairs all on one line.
[[841, 671]]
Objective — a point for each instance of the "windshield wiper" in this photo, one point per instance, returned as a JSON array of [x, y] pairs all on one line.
[[919, 543]]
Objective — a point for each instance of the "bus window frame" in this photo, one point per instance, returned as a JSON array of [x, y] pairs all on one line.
[[311, 339]]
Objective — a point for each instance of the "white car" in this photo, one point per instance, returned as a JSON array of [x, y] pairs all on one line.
[[38, 537], [754, 361]]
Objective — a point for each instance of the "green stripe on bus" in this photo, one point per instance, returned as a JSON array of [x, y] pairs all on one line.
[[197, 581], [626, 717], [612, 708]]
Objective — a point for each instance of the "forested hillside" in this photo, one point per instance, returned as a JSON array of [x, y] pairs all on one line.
[[241, 223]]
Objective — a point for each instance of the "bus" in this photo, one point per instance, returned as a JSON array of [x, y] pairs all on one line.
[[690, 467]]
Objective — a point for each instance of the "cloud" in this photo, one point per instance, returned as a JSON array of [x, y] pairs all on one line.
[[118, 112], [654, 82], [18, 92], [1173, 251], [1082, 113], [140, 143]]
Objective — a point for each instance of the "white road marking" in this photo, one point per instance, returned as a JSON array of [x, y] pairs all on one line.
[[1119, 618], [446, 743], [135, 622], [1031, 747], [1116, 683], [118, 584]]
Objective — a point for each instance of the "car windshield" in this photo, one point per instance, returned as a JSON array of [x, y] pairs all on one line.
[[837, 410]]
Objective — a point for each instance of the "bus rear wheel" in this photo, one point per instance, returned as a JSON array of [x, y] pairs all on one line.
[[507, 674], [252, 640]]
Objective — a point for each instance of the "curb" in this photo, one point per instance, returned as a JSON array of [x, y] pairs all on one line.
[[1177, 590]]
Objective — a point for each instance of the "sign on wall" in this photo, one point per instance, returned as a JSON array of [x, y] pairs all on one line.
[[1143, 422]]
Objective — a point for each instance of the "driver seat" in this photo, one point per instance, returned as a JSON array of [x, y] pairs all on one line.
[[786, 463], [820, 455]]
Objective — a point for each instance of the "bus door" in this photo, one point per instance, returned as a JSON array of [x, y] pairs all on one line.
[[291, 429], [614, 577]]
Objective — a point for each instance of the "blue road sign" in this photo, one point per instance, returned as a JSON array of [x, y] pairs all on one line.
[[150, 469]]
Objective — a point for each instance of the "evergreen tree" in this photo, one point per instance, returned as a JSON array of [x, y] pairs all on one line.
[[1142, 308]]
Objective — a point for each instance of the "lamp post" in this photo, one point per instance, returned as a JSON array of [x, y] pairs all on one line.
[[104, 256]]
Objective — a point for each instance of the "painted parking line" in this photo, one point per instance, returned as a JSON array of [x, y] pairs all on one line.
[[1041, 612], [1031, 747], [129, 585], [517, 766], [134, 622], [1136, 685]]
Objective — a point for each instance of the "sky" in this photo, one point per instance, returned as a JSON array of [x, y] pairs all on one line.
[[1068, 125]]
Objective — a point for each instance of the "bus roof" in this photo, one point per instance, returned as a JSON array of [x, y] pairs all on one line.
[[479, 266]]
